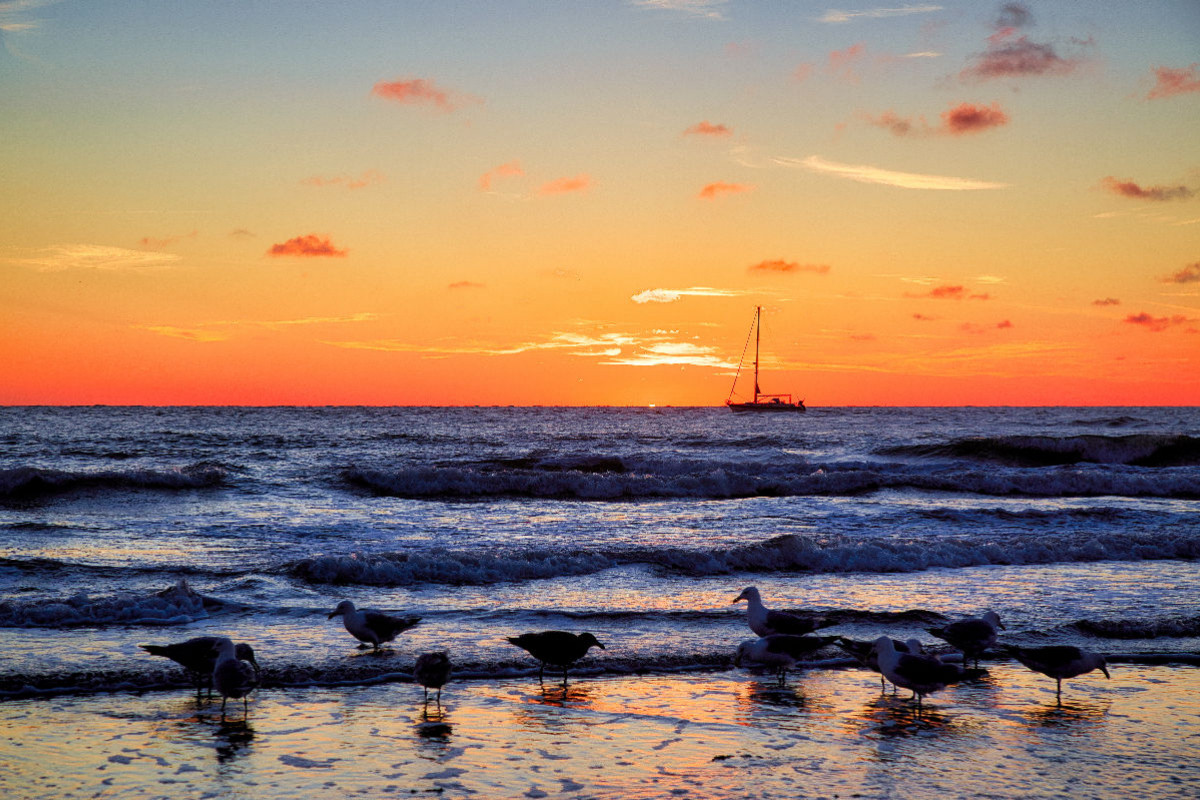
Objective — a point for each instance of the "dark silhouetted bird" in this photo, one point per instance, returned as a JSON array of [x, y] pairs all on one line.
[[556, 648], [369, 626]]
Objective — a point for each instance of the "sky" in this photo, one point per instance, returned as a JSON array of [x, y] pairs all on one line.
[[583, 203]]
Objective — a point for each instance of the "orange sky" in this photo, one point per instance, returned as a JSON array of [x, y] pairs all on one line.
[[576, 204]]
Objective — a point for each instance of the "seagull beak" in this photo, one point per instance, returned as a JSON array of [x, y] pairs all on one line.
[[333, 614]]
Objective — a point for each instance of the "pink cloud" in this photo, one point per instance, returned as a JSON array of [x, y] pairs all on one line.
[[579, 183], [950, 293], [1131, 189], [1006, 57], [1155, 324], [898, 125], [1189, 274], [969, 118], [416, 91], [1169, 82], [310, 245], [465, 285], [713, 190], [510, 170], [1107, 301], [802, 72], [706, 128], [166, 241], [843, 63], [923, 318], [779, 265], [366, 179]]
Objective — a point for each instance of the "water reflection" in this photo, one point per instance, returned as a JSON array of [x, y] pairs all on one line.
[[233, 738], [890, 717], [1068, 716], [544, 710]]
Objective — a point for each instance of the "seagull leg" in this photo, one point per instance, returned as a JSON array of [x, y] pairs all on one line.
[[1058, 694]]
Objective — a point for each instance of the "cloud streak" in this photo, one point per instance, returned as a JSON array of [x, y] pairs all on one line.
[[963, 119], [510, 170], [715, 190], [837, 16], [1170, 82], [59, 257], [1189, 274], [707, 128], [864, 173], [780, 266], [579, 183], [366, 179], [310, 246], [1156, 324], [421, 92], [1127, 188], [672, 295]]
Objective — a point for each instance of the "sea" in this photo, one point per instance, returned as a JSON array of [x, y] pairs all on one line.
[[124, 526]]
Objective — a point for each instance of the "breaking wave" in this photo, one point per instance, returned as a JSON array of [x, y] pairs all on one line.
[[23, 483], [1137, 450], [177, 605]]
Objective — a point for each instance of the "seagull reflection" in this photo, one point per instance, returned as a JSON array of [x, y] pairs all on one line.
[[889, 717], [433, 726], [772, 695], [233, 738], [1067, 715]]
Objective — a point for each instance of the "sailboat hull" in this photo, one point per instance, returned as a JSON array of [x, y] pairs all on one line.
[[767, 407]]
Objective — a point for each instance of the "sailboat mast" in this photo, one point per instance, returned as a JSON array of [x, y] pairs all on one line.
[[757, 338]]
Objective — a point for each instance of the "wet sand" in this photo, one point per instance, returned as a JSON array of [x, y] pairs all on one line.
[[828, 733]]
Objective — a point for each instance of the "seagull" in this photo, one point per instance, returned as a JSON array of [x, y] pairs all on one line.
[[369, 626], [920, 673], [779, 651], [864, 653], [765, 622], [432, 671], [557, 648], [973, 636], [198, 656], [232, 676], [1059, 661]]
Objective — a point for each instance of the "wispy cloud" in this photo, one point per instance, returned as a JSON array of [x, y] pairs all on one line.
[[838, 16], [950, 292], [307, 246], [965, 118], [714, 190], [166, 241], [1107, 301], [94, 257], [465, 285], [844, 64], [707, 128], [579, 183], [709, 9], [671, 295], [869, 174], [1011, 54], [348, 181], [1189, 274], [512, 169], [13, 17], [224, 330], [1127, 188], [1156, 324], [779, 265], [1169, 82], [419, 91]]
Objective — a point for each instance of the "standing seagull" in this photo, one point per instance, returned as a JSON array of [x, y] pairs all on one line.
[[1059, 661], [556, 648], [765, 622], [432, 671], [369, 626], [865, 654], [232, 676], [779, 651], [920, 673], [973, 636], [198, 656]]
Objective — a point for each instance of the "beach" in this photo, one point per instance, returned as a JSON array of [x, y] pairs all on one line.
[[122, 528]]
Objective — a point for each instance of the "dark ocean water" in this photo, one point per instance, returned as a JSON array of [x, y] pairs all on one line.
[[122, 526]]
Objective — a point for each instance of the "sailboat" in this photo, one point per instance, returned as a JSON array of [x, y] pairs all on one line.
[[761, 401]]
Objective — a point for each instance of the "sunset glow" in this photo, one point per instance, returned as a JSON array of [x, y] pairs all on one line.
[[967, 203]]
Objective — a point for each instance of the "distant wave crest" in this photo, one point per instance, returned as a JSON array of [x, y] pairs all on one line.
[[1137, 450], [177, 605], [22, 483]]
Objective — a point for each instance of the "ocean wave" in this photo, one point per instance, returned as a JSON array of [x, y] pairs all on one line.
[[176, 605], [24, 483], [1137, 450], [784, 553], [614, 479], [1169, 627]]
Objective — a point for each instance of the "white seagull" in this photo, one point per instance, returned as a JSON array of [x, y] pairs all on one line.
[[1059, 661], [779, 651], [972, 636], [921, 673], [369, 626], [232, 676], [865, 654], [766, 622]]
